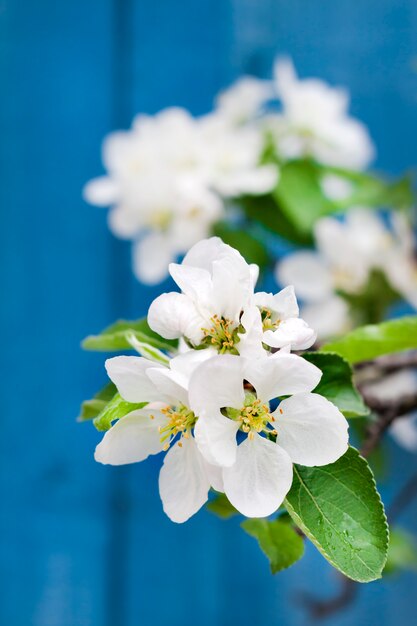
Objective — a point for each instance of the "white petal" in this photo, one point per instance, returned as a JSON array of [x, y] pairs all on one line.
[[128, 373], [173, 315], [185, 364], [183, 481], [170, 384], [124, 223], [293, 332], [101, 191], [132, 439], [309, 274], [311, 429], [215, 476], [250, 342], [151, 258], [329, 318], [404, 431], [195, 283], [203, 253], [232, 286], [281, 375], [217, 383], [215, 435], [260, 479]]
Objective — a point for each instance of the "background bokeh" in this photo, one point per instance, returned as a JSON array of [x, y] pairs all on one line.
[[87, 545]]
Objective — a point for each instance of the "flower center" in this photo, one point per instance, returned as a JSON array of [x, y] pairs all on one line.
[[267, 322], [222, 334], [180, 420], [254, 416]]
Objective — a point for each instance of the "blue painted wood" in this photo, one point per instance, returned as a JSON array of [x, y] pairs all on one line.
[[82, 544]]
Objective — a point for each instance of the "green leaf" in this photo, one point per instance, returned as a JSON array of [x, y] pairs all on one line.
[[300, 195], [402, 552], [115, 409], [249, 247], [266, 211], [368, 342], [91, 408], [221, 506], [277, 540], [339, 509], [336, 383], [116, 337]]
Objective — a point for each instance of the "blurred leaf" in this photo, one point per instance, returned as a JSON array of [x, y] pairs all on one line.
[[248, 246], [221, 506], [402, 552], [336, 383], [266, 211], [339, 509], [300, 195], [91, 408], [368, 342], [277, 540], [116, 337], [115, 409]]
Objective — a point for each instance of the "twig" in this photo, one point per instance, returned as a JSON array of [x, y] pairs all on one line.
[[403, 498], [320, 609]]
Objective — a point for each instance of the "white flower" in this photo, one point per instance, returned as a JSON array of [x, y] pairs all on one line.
[[315, 122], [168, 178], [231, 394], [167, 422], [347, 252], [243, 100], [218, 307]]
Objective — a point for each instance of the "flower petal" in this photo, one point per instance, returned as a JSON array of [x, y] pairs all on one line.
[[170, 384], [260, 479], [309, 274], [311, 429], [281, 375], [132, 439], [173, 315], [215, 435], [101, 191], [217, 383], [128, 373], [183, 481], [151, 258], [215, 476], [250, 342], [195, 283], [293, 332]]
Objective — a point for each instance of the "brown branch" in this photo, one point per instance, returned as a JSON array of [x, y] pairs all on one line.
[[321, 609]]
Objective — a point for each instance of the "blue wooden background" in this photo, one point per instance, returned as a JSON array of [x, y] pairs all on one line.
[[82, 544]]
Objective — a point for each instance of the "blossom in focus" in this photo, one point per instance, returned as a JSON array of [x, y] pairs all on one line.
[[232, 394], [168, 178], [315, 122], [218, 306], [347, 252], [165, 423]]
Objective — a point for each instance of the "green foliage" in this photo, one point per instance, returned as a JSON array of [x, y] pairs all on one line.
[[336, 383], [300, 196], [339, 509], [220, 506], [402, 552], [277, 540], [115, 409], [369, 342], [250, 248], [92, 408], [116, 337]]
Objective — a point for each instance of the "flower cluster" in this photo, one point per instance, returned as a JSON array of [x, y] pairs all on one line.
[[348, 251], [171, 176], [234, 408]]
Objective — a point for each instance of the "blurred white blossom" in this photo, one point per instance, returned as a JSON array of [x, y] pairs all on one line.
[[168, 178], [347, 252], [315, 122]]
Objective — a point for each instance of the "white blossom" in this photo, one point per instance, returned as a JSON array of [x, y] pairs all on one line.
[[231, 394], [347, 252], [165, 423], [168, 178], [315, 122], [218, 306]]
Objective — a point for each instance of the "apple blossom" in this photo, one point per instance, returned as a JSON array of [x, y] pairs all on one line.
[[315, 123], [232, 394], [165, 423], [218, 306]]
